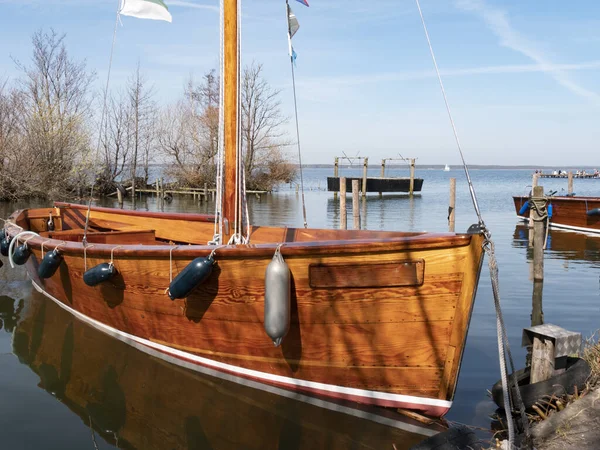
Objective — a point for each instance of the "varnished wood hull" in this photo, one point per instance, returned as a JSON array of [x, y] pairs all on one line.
[[148, 404], [392, 336], [570, 213]]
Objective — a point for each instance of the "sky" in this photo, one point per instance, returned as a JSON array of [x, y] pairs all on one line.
[[522, 77]]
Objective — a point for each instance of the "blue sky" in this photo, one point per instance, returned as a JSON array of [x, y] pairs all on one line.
[[522, 77]]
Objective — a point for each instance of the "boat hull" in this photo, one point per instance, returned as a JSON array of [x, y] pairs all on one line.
[[379, 322], [569, 213]]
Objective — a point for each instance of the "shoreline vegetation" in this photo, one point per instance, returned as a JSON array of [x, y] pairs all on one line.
[[58, 134]]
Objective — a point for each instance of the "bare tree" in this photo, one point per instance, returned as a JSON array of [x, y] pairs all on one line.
[[142, 120], [56, 111], [115, 141], [263, 138]]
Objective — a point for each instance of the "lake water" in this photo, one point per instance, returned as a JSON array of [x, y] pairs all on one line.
[[57, 375]]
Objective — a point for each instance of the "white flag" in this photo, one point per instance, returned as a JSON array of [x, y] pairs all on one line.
[[146, 9]]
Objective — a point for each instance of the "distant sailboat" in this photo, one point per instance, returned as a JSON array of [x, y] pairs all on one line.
[[447, 168]]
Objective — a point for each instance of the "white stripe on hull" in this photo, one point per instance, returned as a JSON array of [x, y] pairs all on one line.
[[244, 376], [567, 227]]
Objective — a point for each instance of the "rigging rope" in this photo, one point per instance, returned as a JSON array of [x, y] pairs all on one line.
[[488, 246], [218, 230], [112, 49], [296, 117]]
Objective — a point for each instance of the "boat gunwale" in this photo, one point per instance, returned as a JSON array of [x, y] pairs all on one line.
[[561, 198], [423, 241]]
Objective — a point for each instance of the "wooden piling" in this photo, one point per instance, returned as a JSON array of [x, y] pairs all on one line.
[[412, 177], [204, 196], [542, 360], [452, 205], [157, 188], [364, 180], [355, 204], [570, 185], [537, 313], [539, 234], [383, 168], [120, 197], [534, 181], [343, 214], [336, 173]]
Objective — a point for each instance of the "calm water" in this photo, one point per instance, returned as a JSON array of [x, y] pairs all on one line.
[[57, 375]]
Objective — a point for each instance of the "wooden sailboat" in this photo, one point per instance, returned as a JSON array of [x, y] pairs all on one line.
[[568, 212], [378, 318], [128, 397]]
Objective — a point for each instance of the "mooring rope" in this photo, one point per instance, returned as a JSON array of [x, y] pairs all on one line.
[[296, 117], [488, 246], [102, 116]]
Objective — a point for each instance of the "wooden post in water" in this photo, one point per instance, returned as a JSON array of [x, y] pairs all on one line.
[[120, 197], [162, 189], [206, 192], [157, 189], [537, 313], [570, 185], [382, 173], [364, 180], [355, 204], [343, 214], [452, 205], [336, 173], [539, 234], [412, 176], [542, 359]]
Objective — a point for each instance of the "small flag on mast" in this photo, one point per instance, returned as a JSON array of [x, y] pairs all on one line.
[[304, 2], [146, 9], [293, 24], [293, 27]]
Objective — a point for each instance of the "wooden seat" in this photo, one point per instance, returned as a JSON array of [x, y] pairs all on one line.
[[122, 237]]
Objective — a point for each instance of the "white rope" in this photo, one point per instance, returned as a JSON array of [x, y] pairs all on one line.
[[112, 255], [218, 230], [102, 116], [11, 248], [85, 247]]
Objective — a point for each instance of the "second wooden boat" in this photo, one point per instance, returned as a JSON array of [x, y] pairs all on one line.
[[570, 213]]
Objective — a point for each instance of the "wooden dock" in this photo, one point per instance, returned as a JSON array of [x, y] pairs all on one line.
[[378, 184], [565, 175]]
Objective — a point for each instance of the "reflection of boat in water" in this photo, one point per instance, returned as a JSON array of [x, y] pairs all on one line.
[[563, 244], [142, 402]]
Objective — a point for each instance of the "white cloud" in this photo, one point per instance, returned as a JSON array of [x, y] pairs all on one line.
[[498, 22], [351, 80]]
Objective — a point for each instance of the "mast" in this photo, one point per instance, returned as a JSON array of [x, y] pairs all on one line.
[[231, 87]]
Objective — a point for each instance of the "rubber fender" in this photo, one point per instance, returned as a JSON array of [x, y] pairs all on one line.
[[2, 234], [1, 264], [21, 254], [594, 212], [50, 264], [4, 245], [524, 208], [277, 299], [194, 274], [549, 209], [98, 274], [576, 374]]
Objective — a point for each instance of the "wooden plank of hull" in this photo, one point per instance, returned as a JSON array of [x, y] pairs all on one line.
[[397, 340], [100, 374], [569, 212]]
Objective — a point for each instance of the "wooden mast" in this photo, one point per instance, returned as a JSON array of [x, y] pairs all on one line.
[[230, 80]]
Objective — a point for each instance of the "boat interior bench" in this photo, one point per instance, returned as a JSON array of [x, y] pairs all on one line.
[[132, 236]]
